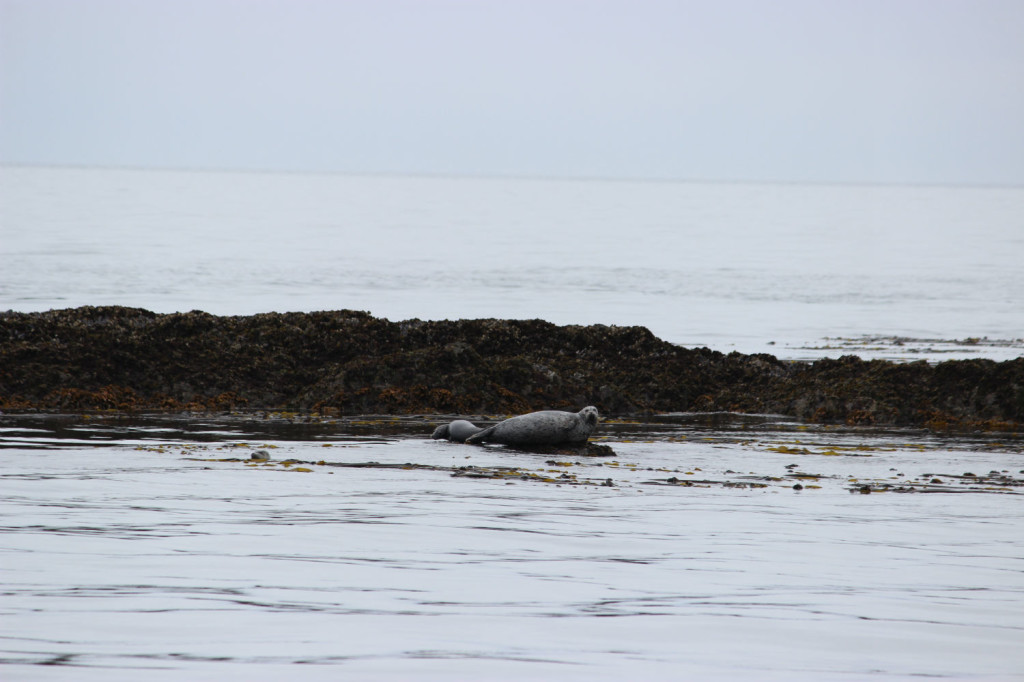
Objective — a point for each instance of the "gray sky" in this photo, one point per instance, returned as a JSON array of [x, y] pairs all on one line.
[[786, 90]]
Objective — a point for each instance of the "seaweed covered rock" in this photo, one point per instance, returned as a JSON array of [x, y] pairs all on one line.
[[348, 362]]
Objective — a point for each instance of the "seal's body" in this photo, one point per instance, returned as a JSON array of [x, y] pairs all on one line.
[[549, 427], [457, 431]]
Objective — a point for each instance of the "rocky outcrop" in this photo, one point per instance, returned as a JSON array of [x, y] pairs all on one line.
[[346, 362]]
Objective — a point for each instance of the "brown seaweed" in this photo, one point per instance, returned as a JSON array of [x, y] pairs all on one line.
[[346, 362]]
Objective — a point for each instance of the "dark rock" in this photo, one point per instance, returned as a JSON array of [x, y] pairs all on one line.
[[588, 449], [346, 362]]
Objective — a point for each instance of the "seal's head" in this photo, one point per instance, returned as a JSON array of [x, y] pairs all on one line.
[[589, 415]]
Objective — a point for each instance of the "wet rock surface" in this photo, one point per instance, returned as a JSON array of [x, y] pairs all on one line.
[[346, 362]]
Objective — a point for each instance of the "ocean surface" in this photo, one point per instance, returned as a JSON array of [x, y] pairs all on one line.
[[710, 547], [798, 271]]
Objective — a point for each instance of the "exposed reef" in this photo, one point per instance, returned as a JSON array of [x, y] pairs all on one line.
[[346, 362]]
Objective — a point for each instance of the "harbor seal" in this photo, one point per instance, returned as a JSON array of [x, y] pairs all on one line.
[[457, 431], [549, 427]]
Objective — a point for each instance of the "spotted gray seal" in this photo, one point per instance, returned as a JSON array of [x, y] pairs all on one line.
[[549, 427], [457, 431]]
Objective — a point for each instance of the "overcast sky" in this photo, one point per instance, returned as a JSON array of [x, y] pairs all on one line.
[[781, 90]]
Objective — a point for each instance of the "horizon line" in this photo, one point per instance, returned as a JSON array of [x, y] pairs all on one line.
[[509, 176]]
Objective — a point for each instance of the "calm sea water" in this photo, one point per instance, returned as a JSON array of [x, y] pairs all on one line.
[[798, 271], [155, 549], [152, 548]]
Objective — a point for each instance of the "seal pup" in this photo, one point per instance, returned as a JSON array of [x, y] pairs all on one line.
[[549, 427], [457, 431]]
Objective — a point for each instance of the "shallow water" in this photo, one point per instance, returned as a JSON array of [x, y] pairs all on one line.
[[798, 271], [154, 547]]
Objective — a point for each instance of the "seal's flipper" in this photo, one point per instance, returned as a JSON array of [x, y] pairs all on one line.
[[481, 437]]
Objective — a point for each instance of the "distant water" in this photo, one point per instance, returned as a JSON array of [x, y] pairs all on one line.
[[798, 271]]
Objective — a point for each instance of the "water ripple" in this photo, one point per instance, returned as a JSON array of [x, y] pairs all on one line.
[[178, 556]]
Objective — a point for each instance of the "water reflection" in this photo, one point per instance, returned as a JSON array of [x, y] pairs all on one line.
[[97, 429]]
